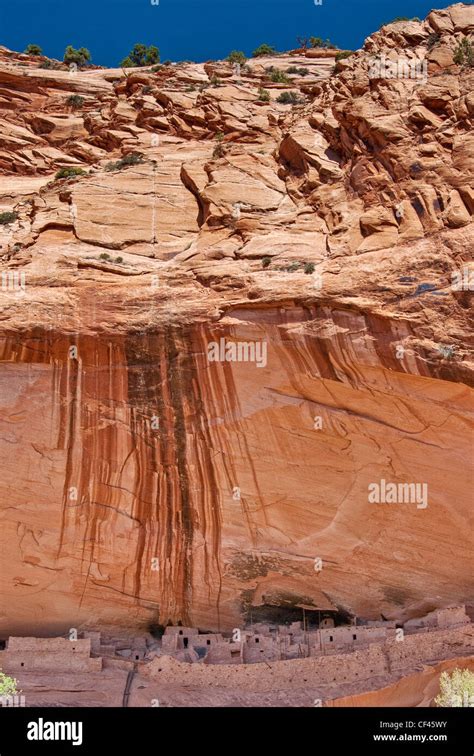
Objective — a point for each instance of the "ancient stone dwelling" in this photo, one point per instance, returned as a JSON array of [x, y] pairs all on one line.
[[265, 642], [270, 642], [47, 654], [424, 639], [332, 675]]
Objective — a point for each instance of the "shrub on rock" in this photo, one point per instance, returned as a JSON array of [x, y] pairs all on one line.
[[33, 50], [236, 56], [7, 217], [75, 101], [263, 50], [69, 173], [289, 98], [80, 57], [141, 55]]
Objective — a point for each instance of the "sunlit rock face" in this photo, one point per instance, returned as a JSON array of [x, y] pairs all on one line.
[[156, 485], [219, 359]]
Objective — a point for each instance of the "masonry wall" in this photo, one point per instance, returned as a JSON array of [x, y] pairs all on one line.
[[353, 635], [378, 660], [259, 677], [257, 647], [430, 646], [453, 615], [50, 645], [169, 643], [48, 655], [186, 632], [222, 654], [313, 643], [95, 638], [43, 661]]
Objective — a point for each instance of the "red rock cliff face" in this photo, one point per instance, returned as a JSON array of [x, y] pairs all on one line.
[[143, 482]]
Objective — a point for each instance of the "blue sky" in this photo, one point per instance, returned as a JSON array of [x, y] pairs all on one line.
[[193, 29]]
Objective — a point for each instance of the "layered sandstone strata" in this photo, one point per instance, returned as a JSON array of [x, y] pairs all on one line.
[[142, 482]]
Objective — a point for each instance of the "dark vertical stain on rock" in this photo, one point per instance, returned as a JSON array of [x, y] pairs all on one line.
[[180, 387]]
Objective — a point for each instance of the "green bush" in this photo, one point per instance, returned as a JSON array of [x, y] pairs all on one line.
[[289, 98], [104, 256], [33, 50], [297, 71], [343, 54], [8, 217], [133, 158], [464, 53], [320, 42], [263, 95], [141, 55], [263, 50], [219, 148], [119, 260], [309, 268], [81, 57], [456, 688], [279, 77], [236, 56], [266, 262], [157, 68], [215, 81], [75, 101], [433, 40], [293, 267], [8, 685], [69, 173]]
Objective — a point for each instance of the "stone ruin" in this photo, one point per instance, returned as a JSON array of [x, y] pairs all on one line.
[[266, 642], [193, 644], [47, 654], [439, 619], [261, 643]]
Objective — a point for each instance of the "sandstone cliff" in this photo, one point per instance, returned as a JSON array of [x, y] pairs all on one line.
[[143, 483]]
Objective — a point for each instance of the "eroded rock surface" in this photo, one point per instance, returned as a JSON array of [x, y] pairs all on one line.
[[142, 483]]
